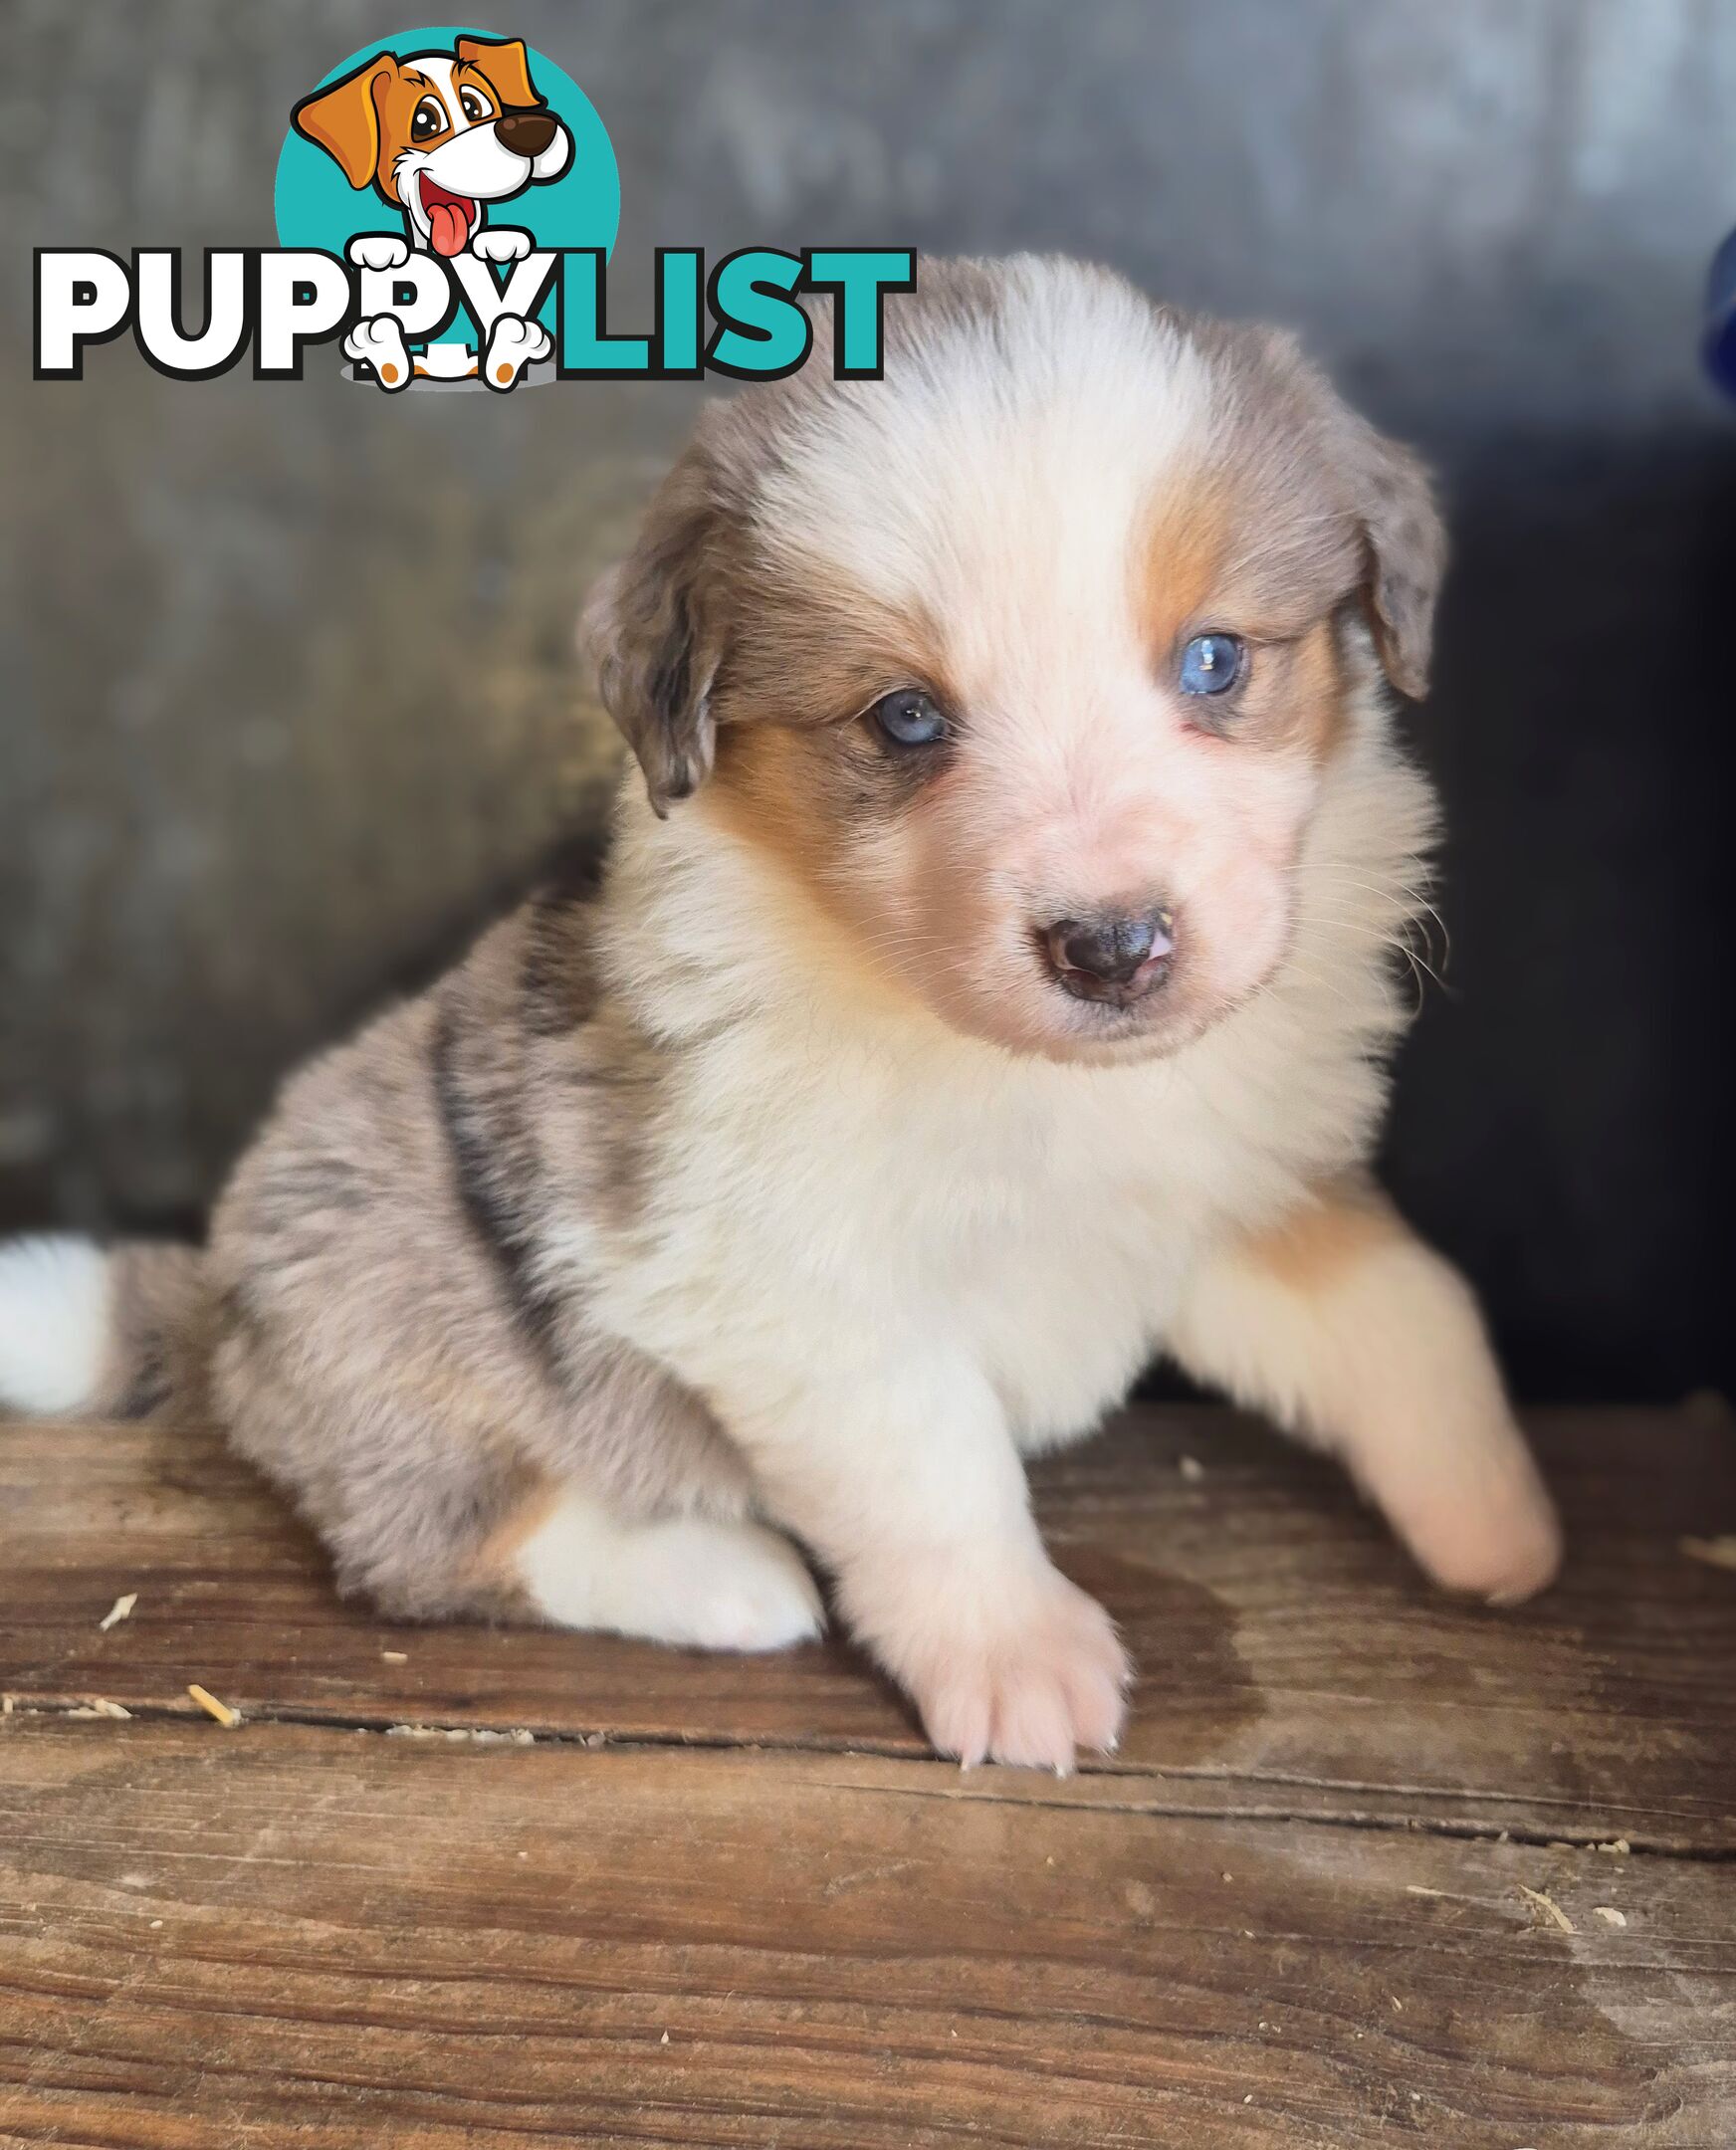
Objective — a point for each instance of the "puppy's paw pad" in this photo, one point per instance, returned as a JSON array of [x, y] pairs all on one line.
[[378, 250], [380, 344], [501, 243], [513, 344]]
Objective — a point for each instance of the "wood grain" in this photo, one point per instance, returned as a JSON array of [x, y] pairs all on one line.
[[367, 1939], [1291, 1662]]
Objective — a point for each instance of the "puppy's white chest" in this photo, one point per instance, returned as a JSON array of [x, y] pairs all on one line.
[[1019, 1219], [1055, 1242]]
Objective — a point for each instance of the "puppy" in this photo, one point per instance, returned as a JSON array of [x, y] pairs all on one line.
[[441, 137], [989, 987]]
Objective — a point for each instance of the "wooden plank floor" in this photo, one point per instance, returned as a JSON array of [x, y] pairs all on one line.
[[1370, 1867]]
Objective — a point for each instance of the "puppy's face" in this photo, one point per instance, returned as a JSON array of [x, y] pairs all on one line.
[[440, 134], [1028, 662]]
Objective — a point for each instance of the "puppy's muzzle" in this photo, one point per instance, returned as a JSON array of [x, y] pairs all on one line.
[[1115, 956], [525, 134]]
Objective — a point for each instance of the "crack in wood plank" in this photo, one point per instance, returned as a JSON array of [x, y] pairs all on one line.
[[986, 1787]]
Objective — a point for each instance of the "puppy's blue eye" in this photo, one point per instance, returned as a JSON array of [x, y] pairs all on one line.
[[1212, 664], [909, 718]]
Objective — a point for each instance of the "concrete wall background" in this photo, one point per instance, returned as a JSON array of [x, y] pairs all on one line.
[[286, 699]]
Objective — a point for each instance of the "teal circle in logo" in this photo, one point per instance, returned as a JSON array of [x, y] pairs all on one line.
[[316, 205]]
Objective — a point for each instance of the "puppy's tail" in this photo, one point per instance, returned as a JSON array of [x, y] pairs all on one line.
[[102, 1333]]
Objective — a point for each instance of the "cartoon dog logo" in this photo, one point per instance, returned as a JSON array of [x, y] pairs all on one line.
[[441, 137]]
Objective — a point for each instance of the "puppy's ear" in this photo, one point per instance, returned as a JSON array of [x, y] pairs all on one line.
[[1381, 488], [343, 119], [506, 64], [652, 628], [1407, 556]]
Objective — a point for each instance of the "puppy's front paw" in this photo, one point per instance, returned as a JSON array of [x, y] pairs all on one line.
[[513, 344], [380, 346], [378, 250], [1478, 1516], [1029, 1680], [1504, 1549]]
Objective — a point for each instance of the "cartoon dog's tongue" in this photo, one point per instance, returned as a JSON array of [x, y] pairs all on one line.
[[450, 216]]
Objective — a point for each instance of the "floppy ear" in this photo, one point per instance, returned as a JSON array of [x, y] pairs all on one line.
[[344, 121], [506, 64], [1386, 491], [651, 627], [1407, 554]]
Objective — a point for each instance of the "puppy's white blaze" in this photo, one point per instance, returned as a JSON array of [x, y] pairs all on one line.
[[438, 68], [54, 1324], [699, 1581], [1107, 395]]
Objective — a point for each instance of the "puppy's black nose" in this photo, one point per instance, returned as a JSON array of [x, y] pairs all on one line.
[[1098, 956], [525, 134]]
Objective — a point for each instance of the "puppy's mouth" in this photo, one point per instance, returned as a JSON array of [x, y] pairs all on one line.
[[451, 217], [1120, 994]]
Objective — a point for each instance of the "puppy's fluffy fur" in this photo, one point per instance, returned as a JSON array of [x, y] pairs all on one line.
[[778, 1184]]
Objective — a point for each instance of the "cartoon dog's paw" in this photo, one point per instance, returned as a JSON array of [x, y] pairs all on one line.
[[380, 346], [504, 243], [513, 344], [379, 250]]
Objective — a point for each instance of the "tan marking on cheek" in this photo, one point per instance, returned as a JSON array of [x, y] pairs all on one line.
[[795, 773], [784, 791], [771, 785], [799, 778], [1313, 1248], [795, 796], [1303, 704]]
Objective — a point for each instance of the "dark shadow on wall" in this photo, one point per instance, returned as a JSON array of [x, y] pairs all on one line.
[[1562, 1107]]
